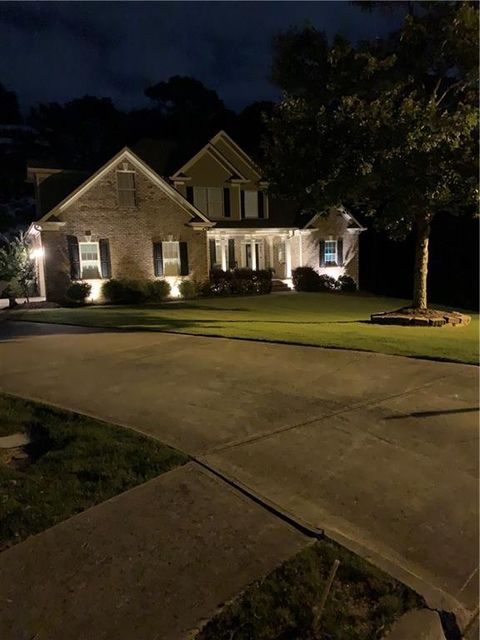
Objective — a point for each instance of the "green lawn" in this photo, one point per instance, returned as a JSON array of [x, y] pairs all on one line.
[[362, 604], [73, 463], [321, 319]]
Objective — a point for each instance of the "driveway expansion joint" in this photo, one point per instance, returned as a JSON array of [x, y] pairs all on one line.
[[268, 505], [333, 414]]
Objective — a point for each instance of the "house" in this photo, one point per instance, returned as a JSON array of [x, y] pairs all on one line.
[[127, 220]]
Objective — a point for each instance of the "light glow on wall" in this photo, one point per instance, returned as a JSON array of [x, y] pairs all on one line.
[[96, 291], [174, 282], [333, 272], [37, 253]]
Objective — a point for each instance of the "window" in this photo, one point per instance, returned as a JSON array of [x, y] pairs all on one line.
[[89, 260], [209, 200], [126, 189], [330, 252], [171, 258], [251, 204]]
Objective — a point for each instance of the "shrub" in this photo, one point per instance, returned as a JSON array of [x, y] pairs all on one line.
[[188, 289], [346, 283], [238, 282], [124, 291], [326, 283], [263, 280], [244, 282], [157, 290], [77, 293], [220, 283], [306, 279]]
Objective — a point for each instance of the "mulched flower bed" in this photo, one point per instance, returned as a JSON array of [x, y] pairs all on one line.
[[410, 316]]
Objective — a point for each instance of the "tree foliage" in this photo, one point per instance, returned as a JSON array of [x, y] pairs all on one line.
[[17, 269], [9, 109], [390, 126]]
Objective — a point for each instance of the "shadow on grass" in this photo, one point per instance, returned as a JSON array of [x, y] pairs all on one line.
[[139, 321]]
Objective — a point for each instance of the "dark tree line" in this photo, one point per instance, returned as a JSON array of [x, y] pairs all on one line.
[[88, 130]]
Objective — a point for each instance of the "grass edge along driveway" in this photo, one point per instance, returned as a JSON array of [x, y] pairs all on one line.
[[74, 462], [315, 319], [363, 603]]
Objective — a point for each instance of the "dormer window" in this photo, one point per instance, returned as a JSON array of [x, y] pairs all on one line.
[[126, 188]]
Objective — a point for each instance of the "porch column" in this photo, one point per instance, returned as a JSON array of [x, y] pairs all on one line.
[[288, 258], [270, 252], [223, 250], [300, 253], [253, 254]]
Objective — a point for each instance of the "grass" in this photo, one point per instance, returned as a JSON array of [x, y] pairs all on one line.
[[320, 319], [362, 605], [74, 463]]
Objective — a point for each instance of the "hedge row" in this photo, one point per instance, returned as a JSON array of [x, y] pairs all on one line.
[[221, 283]]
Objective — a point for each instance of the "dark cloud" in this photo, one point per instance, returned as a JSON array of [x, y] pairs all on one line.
[[55, 51]]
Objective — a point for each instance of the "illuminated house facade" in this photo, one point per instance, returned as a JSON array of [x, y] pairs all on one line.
[[127, 221]]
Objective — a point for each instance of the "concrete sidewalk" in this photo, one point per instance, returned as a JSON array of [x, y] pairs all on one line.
[[380, 451], [154, 563]]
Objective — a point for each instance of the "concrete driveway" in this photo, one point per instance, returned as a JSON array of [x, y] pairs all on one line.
[[380, 451]]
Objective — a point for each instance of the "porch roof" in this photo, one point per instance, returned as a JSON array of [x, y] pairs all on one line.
[[251, 223]]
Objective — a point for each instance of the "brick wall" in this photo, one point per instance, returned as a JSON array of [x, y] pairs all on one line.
[[130, 232], [330, 228]]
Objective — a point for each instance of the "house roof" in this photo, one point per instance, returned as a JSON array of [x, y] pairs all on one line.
[[57, 186], [353, 224], [252, 223], [217, 155], [127, 154], [285, 214], [224, 137]]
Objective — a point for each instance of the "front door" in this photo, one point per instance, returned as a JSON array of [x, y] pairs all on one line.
[[259, 255]]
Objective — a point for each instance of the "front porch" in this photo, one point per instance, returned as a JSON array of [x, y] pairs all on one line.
[[252, 249]]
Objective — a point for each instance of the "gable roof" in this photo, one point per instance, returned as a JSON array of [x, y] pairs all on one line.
[[213, 150], [127, 154], [222, 135], [353, 224], [217, 155]]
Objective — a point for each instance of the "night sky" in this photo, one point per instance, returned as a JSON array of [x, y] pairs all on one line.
[[56, 51]]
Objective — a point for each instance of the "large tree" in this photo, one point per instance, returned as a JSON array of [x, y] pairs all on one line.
[[389, 126], [192, 113]]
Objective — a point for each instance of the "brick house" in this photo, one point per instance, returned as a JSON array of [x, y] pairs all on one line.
[[127, 221]]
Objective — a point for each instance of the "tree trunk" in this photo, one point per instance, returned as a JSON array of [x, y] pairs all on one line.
[[12, 303], [422, 234]]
